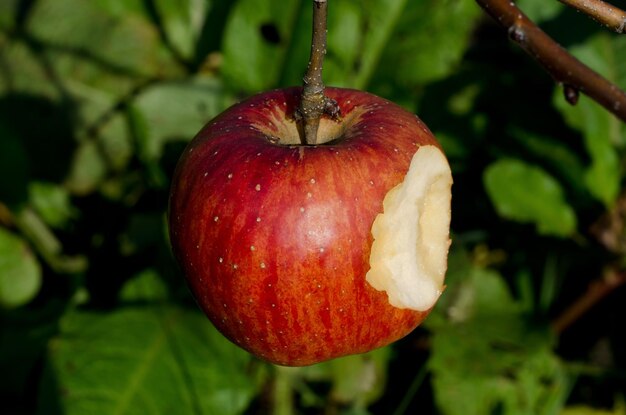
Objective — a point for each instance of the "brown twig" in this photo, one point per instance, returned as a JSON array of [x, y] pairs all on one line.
[[602, 12], [314, 103], [597, 291], [564, 68]]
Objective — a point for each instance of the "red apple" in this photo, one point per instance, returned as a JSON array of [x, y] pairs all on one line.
[[300, 254]]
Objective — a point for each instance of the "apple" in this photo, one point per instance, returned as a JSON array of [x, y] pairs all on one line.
[[301, 254]]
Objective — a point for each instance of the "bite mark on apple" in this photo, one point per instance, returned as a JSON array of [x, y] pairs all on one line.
[[408, 258]]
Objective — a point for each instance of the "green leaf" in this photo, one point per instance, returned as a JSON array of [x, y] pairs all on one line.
[[421, 51], [485, 357], [540, 10], [345, 22], [146, 286], [157, 360], [355, 49], [182, 21], [358, 35], [52, 203], [88, 169], [24, 335], [8, 12], [381, 19], [557, 154], [99, 118], [176, 111], [359, 379], [23, 71], [528, 194], [602, 132], [268, 43], [256, 42], [20, 274], [122, 40]]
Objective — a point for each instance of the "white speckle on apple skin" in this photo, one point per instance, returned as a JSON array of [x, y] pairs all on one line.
[[230, 176], [257, 187], [252, 248]]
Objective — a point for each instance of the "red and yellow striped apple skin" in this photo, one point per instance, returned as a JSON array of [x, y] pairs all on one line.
[[274, 240]]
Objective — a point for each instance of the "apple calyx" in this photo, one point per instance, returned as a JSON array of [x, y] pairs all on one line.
[[286, 130], [408, 257]]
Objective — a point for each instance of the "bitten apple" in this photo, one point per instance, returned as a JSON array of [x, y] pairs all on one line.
[[301, 254]]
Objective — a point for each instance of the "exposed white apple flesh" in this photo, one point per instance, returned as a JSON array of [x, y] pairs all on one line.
[[408, 257]]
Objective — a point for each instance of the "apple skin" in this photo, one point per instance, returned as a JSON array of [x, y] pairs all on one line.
[[274, 240]]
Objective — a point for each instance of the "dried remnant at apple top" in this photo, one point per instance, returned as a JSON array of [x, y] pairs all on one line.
[[301, 254]]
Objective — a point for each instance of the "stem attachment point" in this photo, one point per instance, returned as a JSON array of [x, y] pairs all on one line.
[[313, 103]]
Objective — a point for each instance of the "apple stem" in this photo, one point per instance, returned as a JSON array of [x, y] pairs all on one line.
[[314, 103]]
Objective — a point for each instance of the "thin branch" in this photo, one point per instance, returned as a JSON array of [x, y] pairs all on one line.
[[564, 68], [602, 12], [597, 291]]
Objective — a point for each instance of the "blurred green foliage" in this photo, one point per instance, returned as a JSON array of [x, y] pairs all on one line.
[[97, 100]]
